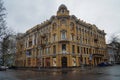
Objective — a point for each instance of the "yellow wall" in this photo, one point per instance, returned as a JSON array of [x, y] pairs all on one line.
[[88, 37]]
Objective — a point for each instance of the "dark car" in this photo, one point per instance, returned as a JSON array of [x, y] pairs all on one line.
[[103, 64], [12, 67]]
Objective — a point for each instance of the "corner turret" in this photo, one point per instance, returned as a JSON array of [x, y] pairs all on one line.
[[62, 11]]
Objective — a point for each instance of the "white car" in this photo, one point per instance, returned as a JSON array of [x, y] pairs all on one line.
[[3, 68]]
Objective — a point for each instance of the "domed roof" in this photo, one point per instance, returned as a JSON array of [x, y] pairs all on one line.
[[62, 6], [62, 10]]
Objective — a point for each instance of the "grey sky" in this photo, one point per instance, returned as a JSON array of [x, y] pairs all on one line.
[[24, 14]]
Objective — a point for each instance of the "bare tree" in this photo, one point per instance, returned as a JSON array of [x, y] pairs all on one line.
[[4, 35], [2, 19], [2, 25], [8, 46], [115, 42], [4, 49]]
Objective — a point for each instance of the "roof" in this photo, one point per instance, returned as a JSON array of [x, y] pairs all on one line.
[[62, 6]]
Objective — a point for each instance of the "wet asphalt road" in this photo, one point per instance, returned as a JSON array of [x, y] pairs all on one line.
[[104, 73]]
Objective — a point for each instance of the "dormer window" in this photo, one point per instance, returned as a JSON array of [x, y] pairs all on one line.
[[62, 11], [62, 8]]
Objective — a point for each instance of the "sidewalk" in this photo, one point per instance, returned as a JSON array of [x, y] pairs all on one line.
[[82, 68], [62, 69]]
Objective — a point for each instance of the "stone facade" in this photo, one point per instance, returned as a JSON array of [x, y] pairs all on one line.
[[61, 41]]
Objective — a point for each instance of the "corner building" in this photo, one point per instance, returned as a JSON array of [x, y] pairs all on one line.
[[61, 41]]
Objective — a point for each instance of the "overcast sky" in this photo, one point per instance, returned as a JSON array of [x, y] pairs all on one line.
[[24, 14]]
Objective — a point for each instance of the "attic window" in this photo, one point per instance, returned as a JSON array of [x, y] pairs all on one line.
[[62, 11]]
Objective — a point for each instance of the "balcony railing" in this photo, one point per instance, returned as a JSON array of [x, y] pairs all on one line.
[[98, 55], [64, 40]]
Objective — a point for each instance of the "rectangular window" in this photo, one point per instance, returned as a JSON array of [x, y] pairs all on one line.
[[40, 52], [78, 49], [54, 49], [73, 49], [46, 50], [63, 47], [84, 51], [29, 52], [87, 50], [49, 50], [33, 40], [30, 43], [63, 35], [72, 37], [54, 37]]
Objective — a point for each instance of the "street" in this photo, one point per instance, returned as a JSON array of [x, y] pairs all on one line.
[[98, 73]]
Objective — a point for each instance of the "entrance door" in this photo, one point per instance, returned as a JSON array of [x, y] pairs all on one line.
[[64, 62]]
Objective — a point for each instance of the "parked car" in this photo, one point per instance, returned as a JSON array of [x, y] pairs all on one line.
[[110, 63], [3, 68], [12, 67], [103, 64], [118, 62]]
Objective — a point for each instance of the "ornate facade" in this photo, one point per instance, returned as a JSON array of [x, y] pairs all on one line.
[[61, 41]]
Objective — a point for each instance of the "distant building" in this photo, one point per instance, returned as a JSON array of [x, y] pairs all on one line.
[[114, 52], [111, 53], [61, 41]]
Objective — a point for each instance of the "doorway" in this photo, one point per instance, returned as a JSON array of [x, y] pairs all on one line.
[[64, 62]]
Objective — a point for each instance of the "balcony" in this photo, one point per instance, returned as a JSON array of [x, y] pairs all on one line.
[[64, 40], [73, 54], [97, 55], [96, 40], [42, 45], [43, 35]]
